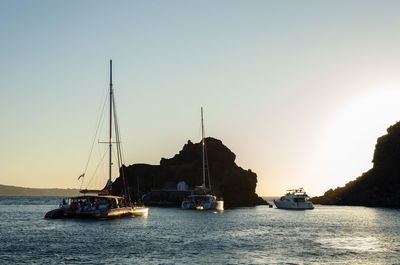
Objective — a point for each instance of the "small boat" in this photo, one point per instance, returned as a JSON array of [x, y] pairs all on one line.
[[296, 199], [203, 198], [101, 203]]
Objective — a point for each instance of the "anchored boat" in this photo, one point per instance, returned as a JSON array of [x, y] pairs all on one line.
[[296, 199], [101, 203], [203, 198]]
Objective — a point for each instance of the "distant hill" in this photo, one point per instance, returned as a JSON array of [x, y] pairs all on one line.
[[6, 190], [379, 186]]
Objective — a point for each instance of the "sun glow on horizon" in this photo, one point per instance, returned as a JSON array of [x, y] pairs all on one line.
[[349, 143]]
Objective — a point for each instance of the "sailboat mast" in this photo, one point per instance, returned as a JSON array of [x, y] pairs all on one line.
[[202, 144], [111, 103]]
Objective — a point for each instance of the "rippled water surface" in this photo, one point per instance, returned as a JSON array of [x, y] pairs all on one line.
[[258, 235]]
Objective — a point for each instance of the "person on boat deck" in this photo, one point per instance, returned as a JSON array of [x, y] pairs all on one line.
[[87, 205], [97, 203], [80, 204]]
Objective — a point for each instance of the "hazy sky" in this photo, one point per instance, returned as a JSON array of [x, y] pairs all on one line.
[[298, 90]]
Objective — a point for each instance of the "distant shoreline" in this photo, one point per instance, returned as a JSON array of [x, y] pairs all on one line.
[[7, 190]]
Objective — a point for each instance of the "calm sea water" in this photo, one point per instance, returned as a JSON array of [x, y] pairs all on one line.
[[257, 235]]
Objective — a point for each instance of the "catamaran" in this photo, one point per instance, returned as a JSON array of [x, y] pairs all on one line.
[[101, 203], [202, 198]]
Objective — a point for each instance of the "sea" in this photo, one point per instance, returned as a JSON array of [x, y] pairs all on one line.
[[249, 235]]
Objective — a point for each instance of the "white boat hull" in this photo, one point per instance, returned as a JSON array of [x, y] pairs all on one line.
[[97, 213], [215, 205], [289, 204], [140, 211]]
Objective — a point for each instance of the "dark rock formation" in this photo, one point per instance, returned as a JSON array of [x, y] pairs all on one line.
[[236, 185], [380, 186]]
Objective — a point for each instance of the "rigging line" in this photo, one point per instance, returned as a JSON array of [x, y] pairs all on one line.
[[123, 182], [206, 157], [119, 155], [97, 167], [119, 152], [117, 131], [94, 138], [117, 136], [208, 167], [80, 187], [96, 133], [117, 158], [199, 131]]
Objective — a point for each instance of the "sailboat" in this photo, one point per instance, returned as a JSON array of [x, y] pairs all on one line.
[[101, 203], [202, 198]]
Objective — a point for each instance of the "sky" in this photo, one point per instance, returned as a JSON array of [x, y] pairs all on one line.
[[298, 90]]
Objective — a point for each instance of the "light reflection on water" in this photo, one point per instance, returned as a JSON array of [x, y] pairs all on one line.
[[259, 235], [354, 243]]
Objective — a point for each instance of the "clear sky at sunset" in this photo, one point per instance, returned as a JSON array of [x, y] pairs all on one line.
[[298, 90]]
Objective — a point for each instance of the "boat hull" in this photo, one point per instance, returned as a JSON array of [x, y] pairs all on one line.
[[291, 205], [109, 213], [215, 205], [140, 211]]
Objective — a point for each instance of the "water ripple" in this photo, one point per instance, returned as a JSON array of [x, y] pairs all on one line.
[[260, 235]]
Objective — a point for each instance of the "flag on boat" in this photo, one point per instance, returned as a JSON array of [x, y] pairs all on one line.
[[81, 176], [107, 188]]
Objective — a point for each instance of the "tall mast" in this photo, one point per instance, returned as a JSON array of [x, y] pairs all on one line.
[[202, 144], [111, 104]]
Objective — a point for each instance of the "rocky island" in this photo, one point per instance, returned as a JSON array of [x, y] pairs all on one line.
[[379, 186], [157, 184]]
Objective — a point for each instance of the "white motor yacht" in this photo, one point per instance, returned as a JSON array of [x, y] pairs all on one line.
[[296, 199]]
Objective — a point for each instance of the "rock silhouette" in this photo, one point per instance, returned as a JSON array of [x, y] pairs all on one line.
[[379, 186], [233, 183]]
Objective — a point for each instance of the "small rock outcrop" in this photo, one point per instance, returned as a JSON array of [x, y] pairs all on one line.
[[379, 186], [233, 183]]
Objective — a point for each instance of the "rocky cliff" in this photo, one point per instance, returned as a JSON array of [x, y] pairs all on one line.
[[233, 183], [380, 186]]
